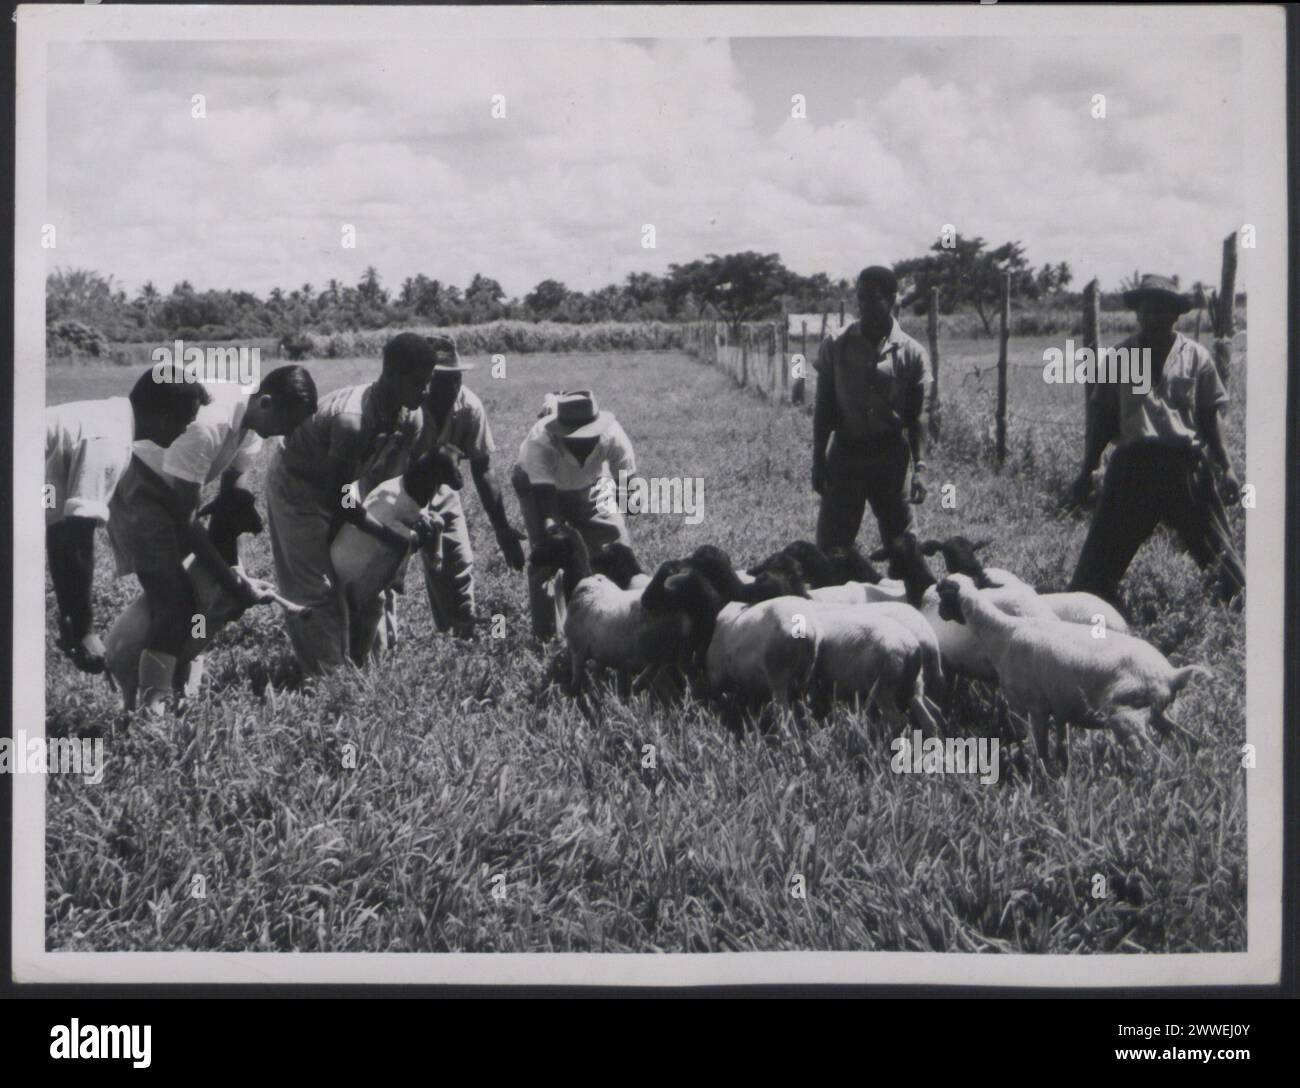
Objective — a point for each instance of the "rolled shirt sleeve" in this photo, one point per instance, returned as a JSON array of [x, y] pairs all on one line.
[[620, 456], [478, 443], [191, 455], [536, 457], [1210, 390], [918, 372]]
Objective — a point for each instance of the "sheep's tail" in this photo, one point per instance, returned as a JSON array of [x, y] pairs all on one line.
[[931, 666], [907, 676], [1180, 677], [795, 660]]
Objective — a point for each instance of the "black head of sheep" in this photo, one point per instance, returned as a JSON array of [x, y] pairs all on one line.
[[950, 601], [232, 513], [815, 568], [617, 562], [430, 471], [850, 565], [783, 577], [959, 558]]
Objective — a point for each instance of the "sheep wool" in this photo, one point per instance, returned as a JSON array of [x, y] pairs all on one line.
[[365, 565]]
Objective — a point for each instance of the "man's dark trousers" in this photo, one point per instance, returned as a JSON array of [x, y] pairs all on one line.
[[1147, 483], [859, 473]]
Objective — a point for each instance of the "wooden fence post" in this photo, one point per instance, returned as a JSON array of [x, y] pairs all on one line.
[[799, 387], [932, 327], [1002, 369], [796, 383], [1091, 339], [774, 379], [744, 356], [1227, 315]]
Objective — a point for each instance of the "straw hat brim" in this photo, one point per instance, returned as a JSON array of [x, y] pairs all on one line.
[[1133, 299], [592, 429]]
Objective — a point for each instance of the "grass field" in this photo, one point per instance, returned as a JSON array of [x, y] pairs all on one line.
[[475, 774]]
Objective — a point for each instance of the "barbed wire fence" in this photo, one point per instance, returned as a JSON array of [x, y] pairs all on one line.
[[775, 358]]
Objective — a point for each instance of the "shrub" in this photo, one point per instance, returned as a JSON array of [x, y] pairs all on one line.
[[296, 345], [512, 336], [66, 339]]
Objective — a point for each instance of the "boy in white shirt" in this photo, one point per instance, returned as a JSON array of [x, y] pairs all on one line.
[[153, 525], [87, 449]]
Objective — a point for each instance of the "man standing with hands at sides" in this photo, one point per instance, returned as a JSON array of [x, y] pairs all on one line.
[[360, 434], [455, 420], [567, 468], [1168, 443], [871, 383]]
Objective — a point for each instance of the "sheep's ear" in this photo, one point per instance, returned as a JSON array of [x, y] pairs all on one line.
[[978, 544], [678, 581], [879, 555], [986, 582], [931, 547]]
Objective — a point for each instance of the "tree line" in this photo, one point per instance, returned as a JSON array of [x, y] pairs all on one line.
[[734, 287]]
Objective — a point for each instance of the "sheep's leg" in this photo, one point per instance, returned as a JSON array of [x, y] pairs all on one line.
[[669, 686], [1039, 724], [919, 715], [645, 679], [949, 693], [623, 683], [779, 704], [577, 672], [1166, 725], [1126, 724]]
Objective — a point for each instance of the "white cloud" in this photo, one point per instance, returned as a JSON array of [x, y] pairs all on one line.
[[602, 137]]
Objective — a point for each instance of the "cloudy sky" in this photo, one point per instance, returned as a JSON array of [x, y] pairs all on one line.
[[600, 138]]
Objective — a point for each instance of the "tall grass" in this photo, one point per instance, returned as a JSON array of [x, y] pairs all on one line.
[[526, 337], [471, 765]]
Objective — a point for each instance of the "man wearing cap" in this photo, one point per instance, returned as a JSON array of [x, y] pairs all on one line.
[[362, 435], [1168, 441], [455, 420], [566, 472], [871, 382]]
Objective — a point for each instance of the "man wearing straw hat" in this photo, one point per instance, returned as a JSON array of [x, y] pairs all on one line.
[[455, 420], [566, 472], [1168, 443]]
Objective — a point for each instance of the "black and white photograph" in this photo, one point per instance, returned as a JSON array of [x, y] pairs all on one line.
[[649, 495]]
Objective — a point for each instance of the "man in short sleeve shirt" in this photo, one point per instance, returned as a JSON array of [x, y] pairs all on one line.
[[567, 468], [153, 523], [871, 383], [456, 422], [362, 435], [88, 448], [1168, 445]]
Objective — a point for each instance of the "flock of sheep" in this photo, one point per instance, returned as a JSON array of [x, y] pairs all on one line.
[[803, 627]]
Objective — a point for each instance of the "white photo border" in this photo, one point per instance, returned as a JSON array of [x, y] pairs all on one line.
[[1263, 36]]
